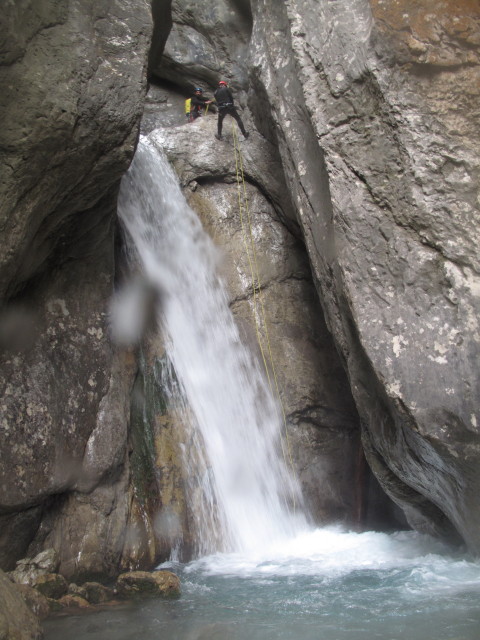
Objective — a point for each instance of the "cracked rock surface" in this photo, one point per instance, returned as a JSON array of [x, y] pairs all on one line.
[[73, 79], [381, 152], [260, 248]]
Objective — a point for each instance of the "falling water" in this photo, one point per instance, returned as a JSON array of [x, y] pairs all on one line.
[[225, 388]]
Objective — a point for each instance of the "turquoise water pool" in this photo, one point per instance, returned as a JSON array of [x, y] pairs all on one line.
[[325, 584]]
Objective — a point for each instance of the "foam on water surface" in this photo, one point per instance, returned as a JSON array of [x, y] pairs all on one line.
[[332, 552]]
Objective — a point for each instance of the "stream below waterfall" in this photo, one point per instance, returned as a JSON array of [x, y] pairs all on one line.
[[276, 578], [324, 585]]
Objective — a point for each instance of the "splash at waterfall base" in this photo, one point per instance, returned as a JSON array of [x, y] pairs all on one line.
[[324, 584]]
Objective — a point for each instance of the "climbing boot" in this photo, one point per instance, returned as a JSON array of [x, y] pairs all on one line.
[[218, 137], [246, 134]]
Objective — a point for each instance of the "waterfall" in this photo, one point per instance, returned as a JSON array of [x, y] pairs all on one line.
[[248, 483]]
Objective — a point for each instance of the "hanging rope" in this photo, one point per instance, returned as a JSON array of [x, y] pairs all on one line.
[[258, 306]]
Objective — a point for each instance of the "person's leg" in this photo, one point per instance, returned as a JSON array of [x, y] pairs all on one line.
[[234, 113], [221, 115]]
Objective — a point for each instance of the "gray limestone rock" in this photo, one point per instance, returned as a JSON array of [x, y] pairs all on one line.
[[88, 530], [15, 534], [29, 569], [77, 78], [73, 81], [16, 619], [34, 600], [207, 42], [383, 168]]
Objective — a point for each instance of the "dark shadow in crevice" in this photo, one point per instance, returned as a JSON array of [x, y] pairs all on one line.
[[162, 25], [244, 8]]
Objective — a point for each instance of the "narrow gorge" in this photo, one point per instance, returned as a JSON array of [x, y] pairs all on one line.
[[344, 231]]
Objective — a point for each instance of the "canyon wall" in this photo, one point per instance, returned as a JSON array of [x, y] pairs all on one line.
[[362, 169], [375, 112], [73, 81]]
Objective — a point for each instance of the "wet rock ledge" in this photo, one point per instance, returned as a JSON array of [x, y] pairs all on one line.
[[34, 590]]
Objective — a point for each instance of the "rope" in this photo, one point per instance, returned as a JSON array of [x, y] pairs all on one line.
[[257, 299]]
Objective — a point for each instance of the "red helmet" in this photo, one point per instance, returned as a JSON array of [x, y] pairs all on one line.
[[223, 82]]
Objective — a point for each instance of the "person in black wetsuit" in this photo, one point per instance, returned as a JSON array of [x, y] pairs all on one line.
[[224, 99], [197, 104]]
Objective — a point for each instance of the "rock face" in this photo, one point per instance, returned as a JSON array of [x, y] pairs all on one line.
[[35, 601], [386, 193], [73, 83], [207, 40], [77, 79], [16, 619]]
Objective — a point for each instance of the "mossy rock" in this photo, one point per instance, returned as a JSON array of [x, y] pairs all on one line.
[[144, 583], [70, 601], [55, 605], [97, 593], [76, 590], [51, 585]]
